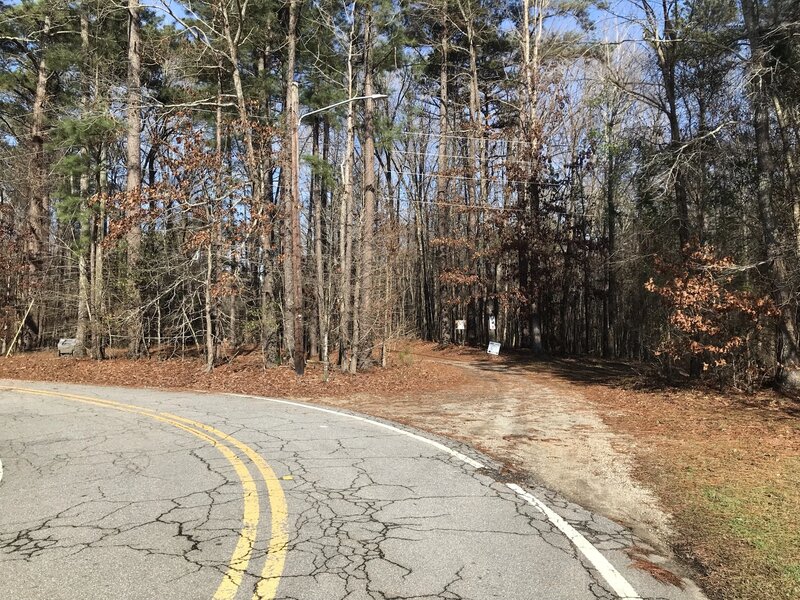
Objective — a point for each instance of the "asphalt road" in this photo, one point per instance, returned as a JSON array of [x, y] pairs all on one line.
[[134, 494]]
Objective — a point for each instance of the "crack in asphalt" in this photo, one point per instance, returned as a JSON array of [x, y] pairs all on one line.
[[372, 516]]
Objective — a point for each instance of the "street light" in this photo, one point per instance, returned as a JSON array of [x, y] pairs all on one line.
[[296, 119], [335, 104]]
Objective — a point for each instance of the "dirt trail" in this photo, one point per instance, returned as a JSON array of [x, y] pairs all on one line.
[[549, 433], [558, 438]]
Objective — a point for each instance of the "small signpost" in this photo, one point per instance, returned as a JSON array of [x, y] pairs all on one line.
[[494, 348], [492, 323], [461, 331]]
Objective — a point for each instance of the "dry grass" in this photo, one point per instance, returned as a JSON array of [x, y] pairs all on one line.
[[726, 465]]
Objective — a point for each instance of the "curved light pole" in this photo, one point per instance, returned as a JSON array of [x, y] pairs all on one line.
[[295, 120]]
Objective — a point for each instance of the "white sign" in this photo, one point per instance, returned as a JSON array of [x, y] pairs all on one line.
[[494, 348], [492, 324], [461, 325]]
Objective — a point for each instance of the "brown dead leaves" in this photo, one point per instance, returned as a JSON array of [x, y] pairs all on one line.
[[710, 314]]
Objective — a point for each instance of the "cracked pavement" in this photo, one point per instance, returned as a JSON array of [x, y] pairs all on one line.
[[97, 503]]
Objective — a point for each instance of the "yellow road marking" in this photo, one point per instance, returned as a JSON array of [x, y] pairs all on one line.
[[267, 586]]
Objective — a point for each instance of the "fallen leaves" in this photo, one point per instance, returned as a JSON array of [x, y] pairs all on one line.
[[246, 374]]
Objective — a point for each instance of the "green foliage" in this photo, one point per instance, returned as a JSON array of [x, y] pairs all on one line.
[[322, 169], [85, 131]]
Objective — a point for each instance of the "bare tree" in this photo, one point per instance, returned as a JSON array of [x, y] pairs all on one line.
[[134, 178]]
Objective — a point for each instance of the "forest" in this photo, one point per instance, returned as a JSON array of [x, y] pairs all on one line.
[[315, 179]]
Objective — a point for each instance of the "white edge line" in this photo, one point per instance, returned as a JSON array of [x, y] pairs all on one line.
[[462, 457], [614, 578], [618, 583]]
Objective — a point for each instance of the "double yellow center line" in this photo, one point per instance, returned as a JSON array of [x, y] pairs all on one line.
[[267, 585]]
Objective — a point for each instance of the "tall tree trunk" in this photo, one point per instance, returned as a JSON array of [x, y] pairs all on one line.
[[293, 119], [531, 45], [789, 372], [83, 301], [232, 39], [478, 176], [233, 311], [387, 315], [443, 212], [38, 202], [424, 302], [345, 215], [98, 291], [355, 337], [214, 226], [134, 179], [85, 233], [791, 169], [610, 297], [311, 244], [322, 304], [362, 348], [665, 45], [269, 323], [288, 308], [208, 304]]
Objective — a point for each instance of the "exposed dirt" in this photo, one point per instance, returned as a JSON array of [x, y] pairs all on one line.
[[724, 466], [545, 430]]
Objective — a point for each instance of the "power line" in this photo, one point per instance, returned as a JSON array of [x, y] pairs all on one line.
[[464, 156], [507, 140], [436, 203], [490, 179]]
